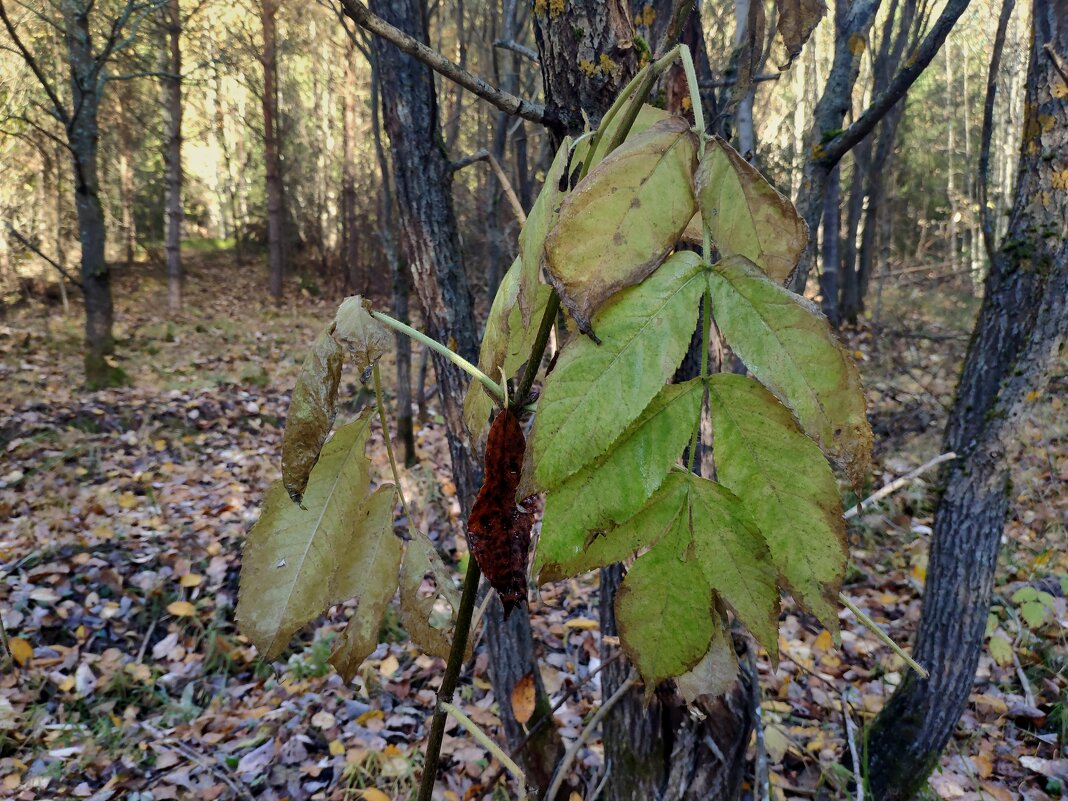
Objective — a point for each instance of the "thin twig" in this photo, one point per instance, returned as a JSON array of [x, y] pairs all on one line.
[[1029, 696], [37, 251], [203, 761], [898, 483], [851, 738], [1048, 48], [7, 658], [882, 636], [486, 742], [521, 49], [509, 103], [506, 185], [144, 643], [572, 753]]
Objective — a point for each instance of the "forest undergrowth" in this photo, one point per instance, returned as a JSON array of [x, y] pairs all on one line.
[[122, 514]]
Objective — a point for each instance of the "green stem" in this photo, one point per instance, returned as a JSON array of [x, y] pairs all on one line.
[[884, 638], [695, 92], [552, 308], [434, 345], [389, 450], [450, 679], [485, 741]]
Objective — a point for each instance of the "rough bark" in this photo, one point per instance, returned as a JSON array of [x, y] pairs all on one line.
[[172, 153], [1020, 330], [423, 179], [126, 176], [271, 152], [832, 257]]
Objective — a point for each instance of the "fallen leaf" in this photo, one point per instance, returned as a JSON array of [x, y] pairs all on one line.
[[523, 698], [181, 609], [21, 650]]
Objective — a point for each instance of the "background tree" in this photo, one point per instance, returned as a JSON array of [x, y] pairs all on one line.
[[1019, 334]]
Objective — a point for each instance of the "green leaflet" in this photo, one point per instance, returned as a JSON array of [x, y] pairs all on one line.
[[783, 480], [299, 561], [623, 218], [505, 345], [618, 484], [746, 215], [541, 218], [787, 344], [703, 540], [645, 118], [373, 569], [416, 609], [312, 408], [596, 391], [664, 613]]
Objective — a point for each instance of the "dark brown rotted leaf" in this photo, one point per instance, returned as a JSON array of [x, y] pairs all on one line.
[[499, 528], [311, 413]]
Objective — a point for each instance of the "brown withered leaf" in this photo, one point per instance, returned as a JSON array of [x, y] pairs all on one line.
[[362, 335], [499, 528], [797, 20], [523, 698], [311, 413]]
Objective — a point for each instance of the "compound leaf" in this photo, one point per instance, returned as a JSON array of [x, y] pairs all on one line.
[[623, 218], [745, 214], [296, 559], [787, 344], [783, 480], [312, 409], [610, 490], [596, 391], [371, 576]]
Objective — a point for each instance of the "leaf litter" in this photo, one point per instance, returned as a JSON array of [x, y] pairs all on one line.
[[124, 511]]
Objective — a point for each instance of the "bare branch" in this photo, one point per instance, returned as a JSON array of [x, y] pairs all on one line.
[[31, 62], [516, 47], [35, 250], [835, 149], [506, 185], [362, 16], [986, 219], [680, 11]]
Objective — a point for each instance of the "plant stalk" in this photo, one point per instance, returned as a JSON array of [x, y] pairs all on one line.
[[436, 346], [883, 637], [450, 679], [485, 741], [389, 450]]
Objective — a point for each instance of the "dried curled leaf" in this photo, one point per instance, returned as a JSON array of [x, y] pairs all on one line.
[[374, 573], [499, 528], [623, 219], [746, 215], [717, 671], [312, 409], [362, 335], [797, 20], [425, 582]]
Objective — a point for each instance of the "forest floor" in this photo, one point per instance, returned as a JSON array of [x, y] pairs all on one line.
[[122, 514]]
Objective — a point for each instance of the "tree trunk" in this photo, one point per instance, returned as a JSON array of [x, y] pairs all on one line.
[[832, 257], [173, 154], [428, 226], [83, 138], [126, 176], [275, 199], [1021, 325], [849, 300], [350, 242]]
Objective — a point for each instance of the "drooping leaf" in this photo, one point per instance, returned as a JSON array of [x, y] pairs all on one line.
[[596, 391], [746, 215], [611, 489], [623, 218], [312, 409], [664, 612], [298, 561], [498, 527], [417, 612], [717, 671], [797, 20], [373, 571], [506, 346], [787, 344], [786, 484], [362, 335], [541, 218]]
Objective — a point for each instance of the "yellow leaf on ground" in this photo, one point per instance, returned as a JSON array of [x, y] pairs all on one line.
[[191, 580], [181, 609], [336, 748], [582, 623], [389, 666], [21, 650], [523, 698], [824, 642], [373, 794], [128, 500]]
